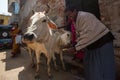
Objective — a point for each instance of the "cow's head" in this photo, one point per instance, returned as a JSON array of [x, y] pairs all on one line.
[[38, 27], [65, 38]]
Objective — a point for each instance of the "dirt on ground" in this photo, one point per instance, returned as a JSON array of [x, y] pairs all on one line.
[[19, 68]]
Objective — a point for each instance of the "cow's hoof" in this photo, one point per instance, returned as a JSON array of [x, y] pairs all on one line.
[[64, 69], [33, 65], [51, 78], [37, 79], [56, 69], [37, 76]]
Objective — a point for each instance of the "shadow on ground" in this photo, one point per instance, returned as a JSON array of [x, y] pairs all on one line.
[[19, 68]]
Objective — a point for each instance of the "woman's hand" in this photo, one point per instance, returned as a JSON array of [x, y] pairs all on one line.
[[72, 50]]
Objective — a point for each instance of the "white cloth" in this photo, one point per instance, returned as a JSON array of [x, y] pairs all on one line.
[[18, 39], [89, 29]]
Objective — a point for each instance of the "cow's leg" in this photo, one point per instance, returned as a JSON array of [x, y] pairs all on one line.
[[38, 64], [48, 66], [38, 61], [62, 61], [54, 60], [31, 56]]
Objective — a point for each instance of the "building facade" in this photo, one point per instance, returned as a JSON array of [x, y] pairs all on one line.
[[14, 8], [4, 19]]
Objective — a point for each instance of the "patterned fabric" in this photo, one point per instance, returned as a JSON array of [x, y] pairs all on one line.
[[72, 27], [15, 47], [79, 54], [73, 33]]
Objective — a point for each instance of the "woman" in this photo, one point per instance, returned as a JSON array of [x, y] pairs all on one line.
[[97, 41], [14, 32]]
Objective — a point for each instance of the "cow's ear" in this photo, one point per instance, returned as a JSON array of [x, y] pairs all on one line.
[[33, 12], [43, 12]]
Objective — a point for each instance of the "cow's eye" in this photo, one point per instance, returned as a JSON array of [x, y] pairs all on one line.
[[44, 20]]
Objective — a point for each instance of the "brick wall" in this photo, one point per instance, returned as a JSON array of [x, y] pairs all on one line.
[[54, 9], [55, 12], [110, 15], [25, 13]]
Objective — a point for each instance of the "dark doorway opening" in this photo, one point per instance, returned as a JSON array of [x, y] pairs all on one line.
[[1, 21]]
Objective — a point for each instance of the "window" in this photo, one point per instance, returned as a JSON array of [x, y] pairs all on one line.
[[1, 21]]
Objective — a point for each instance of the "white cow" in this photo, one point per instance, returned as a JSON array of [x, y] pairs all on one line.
[[41, 38]]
